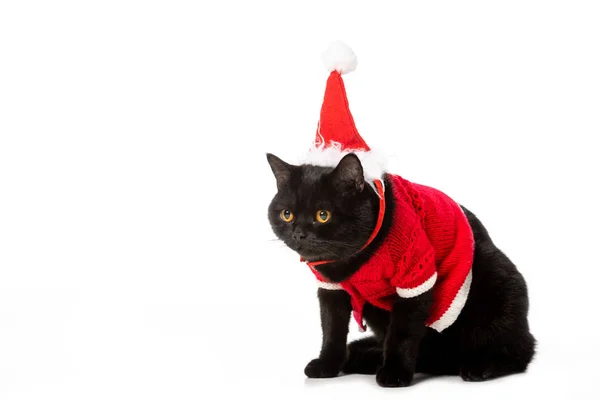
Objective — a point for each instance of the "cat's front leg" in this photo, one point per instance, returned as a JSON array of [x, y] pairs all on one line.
[[335, 308], [402, 339]]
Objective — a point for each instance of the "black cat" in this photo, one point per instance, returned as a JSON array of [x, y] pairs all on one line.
[[491, 336]]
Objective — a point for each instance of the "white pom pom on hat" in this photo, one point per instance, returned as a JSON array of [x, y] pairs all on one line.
[[339, 57]]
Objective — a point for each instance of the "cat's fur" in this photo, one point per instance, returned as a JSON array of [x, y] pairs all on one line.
[[491, 336]]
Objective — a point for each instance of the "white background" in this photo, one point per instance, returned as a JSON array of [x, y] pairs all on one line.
[[136, 259]]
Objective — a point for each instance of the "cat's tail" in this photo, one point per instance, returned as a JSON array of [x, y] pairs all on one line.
[[365, 356]]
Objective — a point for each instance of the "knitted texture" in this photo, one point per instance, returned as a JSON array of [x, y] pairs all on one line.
[[429, 247]]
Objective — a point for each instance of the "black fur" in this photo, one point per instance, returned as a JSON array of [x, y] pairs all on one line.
[[335, 317], [490, 338]]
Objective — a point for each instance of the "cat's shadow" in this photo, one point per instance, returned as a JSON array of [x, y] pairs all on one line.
[[341, 379]]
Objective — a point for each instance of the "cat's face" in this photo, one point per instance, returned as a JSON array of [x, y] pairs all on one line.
[[322, 213]]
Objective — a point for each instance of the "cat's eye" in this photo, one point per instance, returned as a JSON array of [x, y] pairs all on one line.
[[323, 216], [286, 215]]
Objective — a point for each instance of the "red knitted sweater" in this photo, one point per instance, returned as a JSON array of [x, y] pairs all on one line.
[[429, 247]]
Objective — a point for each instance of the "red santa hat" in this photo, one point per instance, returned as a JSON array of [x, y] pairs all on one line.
[[336, 134]]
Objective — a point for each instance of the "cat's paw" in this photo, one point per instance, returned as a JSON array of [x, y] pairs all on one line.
[[392, 376], [475, 374], [476, 371], [320, 368]]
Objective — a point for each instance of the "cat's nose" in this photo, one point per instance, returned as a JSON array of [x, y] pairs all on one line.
[[298, 235]]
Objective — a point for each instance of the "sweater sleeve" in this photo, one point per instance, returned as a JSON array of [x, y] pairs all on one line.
[[416, 272]]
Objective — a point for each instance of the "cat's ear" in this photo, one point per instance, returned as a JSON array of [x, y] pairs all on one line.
[[281, 170], [348, 175]]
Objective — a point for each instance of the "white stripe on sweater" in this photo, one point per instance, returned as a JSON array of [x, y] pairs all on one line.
[[455, 307], [416, 291], [328, 285]]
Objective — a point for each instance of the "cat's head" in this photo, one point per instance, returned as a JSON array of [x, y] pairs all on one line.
[[322, 213]]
